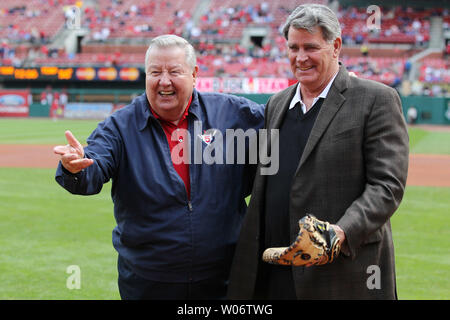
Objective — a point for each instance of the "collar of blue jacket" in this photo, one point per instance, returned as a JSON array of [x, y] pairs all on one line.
[[145, 113]]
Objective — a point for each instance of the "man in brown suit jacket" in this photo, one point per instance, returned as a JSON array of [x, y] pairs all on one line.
[[343, 147]]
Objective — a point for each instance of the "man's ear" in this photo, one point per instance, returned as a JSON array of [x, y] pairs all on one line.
[[194, 75], [337, 45]]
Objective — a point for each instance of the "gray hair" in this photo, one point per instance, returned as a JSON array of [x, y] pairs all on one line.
[[171, 40], [308, 16]]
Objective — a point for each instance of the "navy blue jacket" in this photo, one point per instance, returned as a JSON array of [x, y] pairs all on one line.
[[162, 234]]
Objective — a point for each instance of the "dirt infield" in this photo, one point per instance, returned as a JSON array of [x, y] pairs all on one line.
[[27, 156], [424, 169], [429, 170]]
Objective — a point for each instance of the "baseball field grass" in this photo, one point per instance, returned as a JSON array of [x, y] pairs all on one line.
[[44, 230], [43, 130]]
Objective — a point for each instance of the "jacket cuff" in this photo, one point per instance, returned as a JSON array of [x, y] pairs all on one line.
[[67, 179]]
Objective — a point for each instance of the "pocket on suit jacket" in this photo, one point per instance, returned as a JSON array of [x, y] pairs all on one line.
[[350, 132]]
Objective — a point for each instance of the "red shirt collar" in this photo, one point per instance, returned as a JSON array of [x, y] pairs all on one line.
[[185, 114]]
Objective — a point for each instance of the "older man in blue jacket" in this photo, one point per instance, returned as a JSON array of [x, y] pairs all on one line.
[[178, 215]]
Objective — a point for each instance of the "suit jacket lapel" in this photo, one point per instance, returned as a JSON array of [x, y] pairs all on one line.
[[276, 113], [274, 117], [279, 113], [330, 106]]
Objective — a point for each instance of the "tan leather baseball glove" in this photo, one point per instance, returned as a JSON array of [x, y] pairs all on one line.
[[316, 244]]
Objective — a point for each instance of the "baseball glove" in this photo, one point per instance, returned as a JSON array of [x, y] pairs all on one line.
[[316, 244]]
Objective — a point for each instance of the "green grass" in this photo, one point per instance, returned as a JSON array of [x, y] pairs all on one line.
[[44, 229], [43, 131], [429, 142], [422, 250]]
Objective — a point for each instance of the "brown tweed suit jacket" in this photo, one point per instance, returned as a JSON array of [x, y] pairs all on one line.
[[352, 173]]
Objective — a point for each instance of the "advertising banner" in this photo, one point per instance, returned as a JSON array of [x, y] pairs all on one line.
[[88, 110], [242, 85], [69, 73], [14, 103]]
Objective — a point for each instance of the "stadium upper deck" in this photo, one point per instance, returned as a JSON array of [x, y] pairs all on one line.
[[29, 32]]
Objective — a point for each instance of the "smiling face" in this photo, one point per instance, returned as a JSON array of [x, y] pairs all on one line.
[[314, 61], [169, 82]]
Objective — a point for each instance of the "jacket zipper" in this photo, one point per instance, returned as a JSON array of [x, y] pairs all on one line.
[[189, 204]]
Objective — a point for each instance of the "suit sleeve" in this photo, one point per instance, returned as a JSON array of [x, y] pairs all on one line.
[[386, 154]]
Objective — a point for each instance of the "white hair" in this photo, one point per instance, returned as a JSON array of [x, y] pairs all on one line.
[[171, 40], [308, 16]]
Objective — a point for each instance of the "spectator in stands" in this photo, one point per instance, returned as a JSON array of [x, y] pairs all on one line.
[[343, 150], [177, 223], [407, 68], [417, 88], [364, 50]]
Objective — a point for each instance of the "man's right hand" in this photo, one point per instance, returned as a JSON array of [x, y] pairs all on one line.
[[72, 154]]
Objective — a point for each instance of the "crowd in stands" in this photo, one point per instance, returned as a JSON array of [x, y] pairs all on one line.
[[220, 21], [434, 78], [32, 21], [395, 25], [27, 28], [130, 18], [387, 70], [435, 71]]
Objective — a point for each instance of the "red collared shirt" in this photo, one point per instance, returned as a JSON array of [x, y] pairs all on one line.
[[168, 127]]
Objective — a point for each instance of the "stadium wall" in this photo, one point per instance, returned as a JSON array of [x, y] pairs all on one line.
[[430, 110]]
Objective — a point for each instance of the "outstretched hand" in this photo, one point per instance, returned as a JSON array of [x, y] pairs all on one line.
[[72, 154]]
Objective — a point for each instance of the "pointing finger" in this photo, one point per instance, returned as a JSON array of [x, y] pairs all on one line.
[[73, 141]]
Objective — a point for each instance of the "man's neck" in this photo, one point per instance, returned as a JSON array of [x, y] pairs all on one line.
[[307, 95]]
